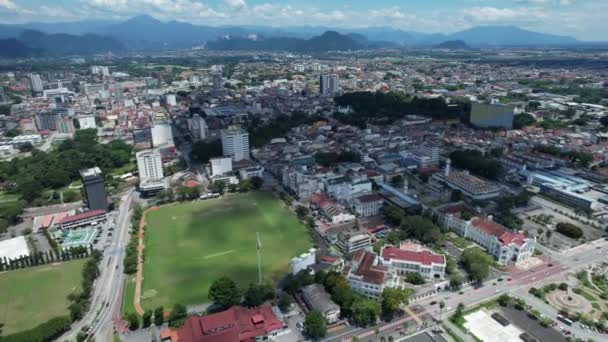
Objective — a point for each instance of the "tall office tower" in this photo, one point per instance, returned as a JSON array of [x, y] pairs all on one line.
[[217, 81], [198, 127], [235, 143], [328, 84], [149, 165], [162, 135], [36, 84], [94, 188]]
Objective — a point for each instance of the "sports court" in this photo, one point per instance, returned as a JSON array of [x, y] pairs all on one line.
[[79, 237]]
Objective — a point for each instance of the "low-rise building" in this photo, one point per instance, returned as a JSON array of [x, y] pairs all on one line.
[[316, 298], [367, 277], [367, 204], [470, 186], [303, 261], [83, 219], [402, 261], [349, 242]]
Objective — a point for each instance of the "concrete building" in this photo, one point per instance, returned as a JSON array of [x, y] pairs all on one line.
[[218, 82], [46, 121], [33, 139], [492, 115], [349, 242], [367, 277], [472, 187], [65, 124], [94, 188], [329, 84], [36, 84], [316, 298], [151, 175], [27, 126], [170, 100], [220, 166], [162, 135], [504, 245], [198, 127], [251, 171], [402, 261], [303, 261], [235, 143], [367, 204], [87, 121]]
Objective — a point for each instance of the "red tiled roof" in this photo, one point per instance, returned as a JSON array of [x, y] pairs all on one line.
[[509, 238], [82, 216], [488, 227], [191, 183], [422, 257], [369, 272], [233, 325], [327, 259]]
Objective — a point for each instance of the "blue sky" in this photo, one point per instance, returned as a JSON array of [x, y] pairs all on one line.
[[583, 19]]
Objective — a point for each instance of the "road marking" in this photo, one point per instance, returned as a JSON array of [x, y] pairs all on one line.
[[413, 315], [219, 254]]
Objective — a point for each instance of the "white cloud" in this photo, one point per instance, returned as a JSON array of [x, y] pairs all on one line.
[[236, 4], [8, 4]]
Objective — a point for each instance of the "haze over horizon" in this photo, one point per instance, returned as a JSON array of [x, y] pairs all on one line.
[[582, 19]]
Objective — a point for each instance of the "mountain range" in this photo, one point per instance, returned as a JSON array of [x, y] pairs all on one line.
[[148, 33]]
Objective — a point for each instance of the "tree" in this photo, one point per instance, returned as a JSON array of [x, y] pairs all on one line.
[[477, 263], [257, 182], [394, 214], [301, 211], [178, 315], [224, 292], [315, 326], [414, 278], [504, 300], [398, 181], [476, 163], [147, 319], [456, 196], [284, 302], [392, 298], [604, 120], [203, 151], [569, 230], [257, 294], [421, 229], [133, 320], [523, 120], [365, 311], [159, 316]]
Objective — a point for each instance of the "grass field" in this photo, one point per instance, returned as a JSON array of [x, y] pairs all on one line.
[[190, 245], [34, 295]]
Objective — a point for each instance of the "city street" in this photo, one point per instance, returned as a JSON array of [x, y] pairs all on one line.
[[107, 294]]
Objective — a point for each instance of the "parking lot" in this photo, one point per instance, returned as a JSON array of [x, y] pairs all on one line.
[[532, 327]]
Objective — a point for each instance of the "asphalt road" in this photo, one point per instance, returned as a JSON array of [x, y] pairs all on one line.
[[107, 292]]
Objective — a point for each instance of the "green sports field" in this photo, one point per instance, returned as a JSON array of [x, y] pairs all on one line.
[[190, 245], [34, 295]]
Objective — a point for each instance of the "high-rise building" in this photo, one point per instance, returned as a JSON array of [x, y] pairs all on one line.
[[235, 143], [94, 188], [47, 121], [329, 84], [220, 166], [36, 84], [217, 81], [149, 165], [492, 115], [198, 127], [162, 135]]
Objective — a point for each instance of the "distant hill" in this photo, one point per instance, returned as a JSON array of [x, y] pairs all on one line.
[[509, 36], [145, 32], [32, 43], [453, 45], [328, 41], [12, 48]]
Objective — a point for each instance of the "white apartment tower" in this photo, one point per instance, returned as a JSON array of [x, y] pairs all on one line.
[[235, 143], [149, 165], [36, 83]]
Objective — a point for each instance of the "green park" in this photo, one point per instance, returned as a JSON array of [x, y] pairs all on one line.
[[189, 245]]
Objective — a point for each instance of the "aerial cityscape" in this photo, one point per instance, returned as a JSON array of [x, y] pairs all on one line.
[[248, 170]]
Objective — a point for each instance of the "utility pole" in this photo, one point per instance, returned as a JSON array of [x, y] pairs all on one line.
[[259, 258]]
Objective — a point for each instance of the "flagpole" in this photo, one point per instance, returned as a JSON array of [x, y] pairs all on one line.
[[259, 258]]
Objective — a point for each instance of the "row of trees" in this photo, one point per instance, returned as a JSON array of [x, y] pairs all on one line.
[[42, 258], [80, 301], [225, 293], [385, 108], [476, 163], [580, 158], [176, 318], [569, 230], [261, 133], [130, 260], [59, 167]]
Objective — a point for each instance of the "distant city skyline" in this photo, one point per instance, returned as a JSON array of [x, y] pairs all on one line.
[[582, 19]]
